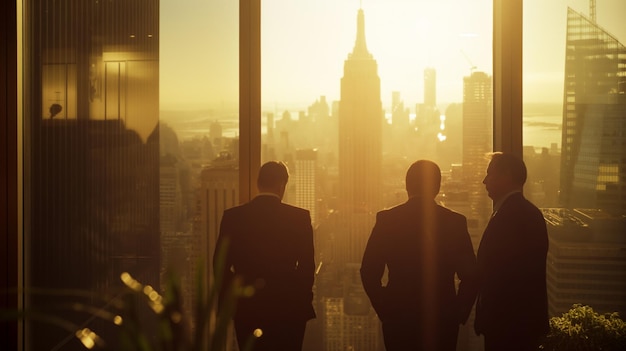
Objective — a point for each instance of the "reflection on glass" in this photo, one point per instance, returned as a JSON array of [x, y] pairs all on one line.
[[575, 147], [58, 90], [92, 181]]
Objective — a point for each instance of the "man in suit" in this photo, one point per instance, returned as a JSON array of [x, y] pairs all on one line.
[[269, 246], [423, 245], [512, 307]]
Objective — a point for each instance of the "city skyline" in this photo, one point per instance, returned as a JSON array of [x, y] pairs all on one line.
[[109, 187], [395, 31]]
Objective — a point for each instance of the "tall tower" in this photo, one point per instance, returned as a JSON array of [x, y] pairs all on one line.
[[360, 160], [305, 179], [477, 143], [430, 87], [360, 136], [219, 190], [593, 158], [586, 255]]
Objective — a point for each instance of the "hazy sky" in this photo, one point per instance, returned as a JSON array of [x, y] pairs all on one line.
[[305, 44]]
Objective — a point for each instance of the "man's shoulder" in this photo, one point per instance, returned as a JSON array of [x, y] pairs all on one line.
[[236, 209], [409, 210], [392, 211], [294, 209], [446, 211], [517, 203]]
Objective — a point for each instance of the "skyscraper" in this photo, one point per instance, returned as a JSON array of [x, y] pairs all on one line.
[[593, 158], [586, 260], [400, 117], [477, 141], [219, 190], [360, 136], [343, 304], [305, 179], [430, 87], [587, 245]]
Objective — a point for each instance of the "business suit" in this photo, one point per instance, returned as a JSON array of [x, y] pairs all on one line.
[[512, 307], [270, 247], [423, 245]]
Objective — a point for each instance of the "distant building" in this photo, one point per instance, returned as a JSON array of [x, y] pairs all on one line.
[[360, 135], [179, 261], [306, 181], [430, 87], [219, 190], [400, 116], [586, 260], [269, 118], [477, 143], [171, 199], [349, 322], [349, 332], [593, 159], [319, 110], [179, 254]]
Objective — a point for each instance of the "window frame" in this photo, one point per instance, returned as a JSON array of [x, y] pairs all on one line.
[[507, 108], [507, 85]]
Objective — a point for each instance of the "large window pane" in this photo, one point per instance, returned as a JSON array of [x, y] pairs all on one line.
[[575, 146], [351, 97], [199, 135], [91, 163], [131, 151]]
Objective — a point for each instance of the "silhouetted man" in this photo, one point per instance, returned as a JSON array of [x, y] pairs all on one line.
[[270, 246], [423, 245], [512, 307]]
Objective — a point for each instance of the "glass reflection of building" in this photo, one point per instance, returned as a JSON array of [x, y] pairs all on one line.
[[593, 159], [93, 197], [587, 244]]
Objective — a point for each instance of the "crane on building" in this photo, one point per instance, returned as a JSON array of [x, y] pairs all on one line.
[[592, 10]]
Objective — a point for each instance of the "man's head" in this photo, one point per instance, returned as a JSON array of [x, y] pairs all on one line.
[[506, 173], [423, 179], [273, 177]]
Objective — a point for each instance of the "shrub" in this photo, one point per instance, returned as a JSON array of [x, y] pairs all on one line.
[[583, 329]]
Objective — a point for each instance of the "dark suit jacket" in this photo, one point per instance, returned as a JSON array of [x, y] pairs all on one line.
[[270, 246], [512, 267], [423, 245]]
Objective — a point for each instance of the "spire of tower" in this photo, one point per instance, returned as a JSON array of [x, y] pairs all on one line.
[[360, 47]]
